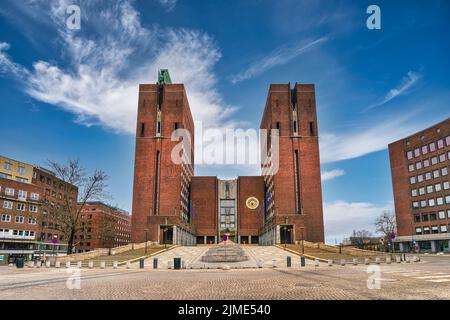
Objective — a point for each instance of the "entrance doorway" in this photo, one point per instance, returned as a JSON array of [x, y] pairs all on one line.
[[286, 234], [166, 235]]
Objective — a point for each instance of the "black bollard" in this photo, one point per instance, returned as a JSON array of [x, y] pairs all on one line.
[[155, 263], [288, 261], [141, 263], [302, 261]]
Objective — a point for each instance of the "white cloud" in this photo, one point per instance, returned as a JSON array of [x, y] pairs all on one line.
[[108, 58], [329, 175], [168, 5], [366, 138], [402, 88], [341, 218], [279, 56]]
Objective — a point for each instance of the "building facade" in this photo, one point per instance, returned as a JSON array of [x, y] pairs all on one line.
[[419, 166], [28, 195], [172, 205], [102, 226]]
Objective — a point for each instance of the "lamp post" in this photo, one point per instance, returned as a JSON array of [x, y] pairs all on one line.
[[146, 240], [284, 231], [302, 228], [164, 237]]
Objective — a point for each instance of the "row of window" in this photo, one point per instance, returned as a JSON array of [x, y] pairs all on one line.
[[9, 177], [26, 233], [439, 201], [8, 166], [20, 194], [428, 148], [437, 187], [18, 219], [432, 216], [427, 162], [20, 206], [434, 229], [429, 175]]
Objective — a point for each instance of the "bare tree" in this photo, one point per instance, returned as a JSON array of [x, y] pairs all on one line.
[[67, 216], [386, 225]]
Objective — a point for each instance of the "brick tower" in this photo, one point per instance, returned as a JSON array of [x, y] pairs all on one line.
[[294, 193], [161, 208]]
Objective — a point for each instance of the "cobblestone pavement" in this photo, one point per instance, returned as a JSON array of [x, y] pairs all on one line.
[[397, 281], [259, 256]]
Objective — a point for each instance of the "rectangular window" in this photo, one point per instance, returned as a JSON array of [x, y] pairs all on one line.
[[423, 203], [411, 168], [426, 230], [156, 194], [416, 218], [432, 147], [442, 157], [412, 180], [441, 215], [433, 217], [424, 149], [418, 165], [19, 219], [415, 204], [424, 217], [33, 208], [444, 171], [409, 155], [7, 205], [420, 178], [9, 191], [5, 176], [416, 152], [414, 192], [440, 143], [7, 166], [418, 230], [446, 185], [436, 174], [422, 191], [437, 187], [439, 201], [427, 175], [431, 202], [447, 141], [447, 199], [429, 189], [426, 163], [21, 207], [297, 182], [6, 218], [142, 134], [311, 129], [22, 194], [443, 228], [434, 160], [21, 170]]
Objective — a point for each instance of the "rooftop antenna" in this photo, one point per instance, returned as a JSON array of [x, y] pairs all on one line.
[[164, 77]]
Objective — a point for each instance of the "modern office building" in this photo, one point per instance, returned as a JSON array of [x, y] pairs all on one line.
[[172, 205], [420, 167]]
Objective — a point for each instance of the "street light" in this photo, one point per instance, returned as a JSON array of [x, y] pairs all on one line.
[[164, 237], [146, 239], [302, 228]]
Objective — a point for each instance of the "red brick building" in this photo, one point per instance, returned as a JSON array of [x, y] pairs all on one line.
[[103, 226], [172, 205], [420, 180], [28, 195]]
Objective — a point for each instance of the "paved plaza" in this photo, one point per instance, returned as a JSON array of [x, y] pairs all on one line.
[[258, 257], [429, 279]]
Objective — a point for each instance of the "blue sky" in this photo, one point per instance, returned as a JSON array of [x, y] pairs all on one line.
[[72, 93]]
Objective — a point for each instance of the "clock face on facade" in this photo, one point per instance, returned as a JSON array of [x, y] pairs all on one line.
[[252, 203]]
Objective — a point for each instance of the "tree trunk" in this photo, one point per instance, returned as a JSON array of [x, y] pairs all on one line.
[[70, 243]]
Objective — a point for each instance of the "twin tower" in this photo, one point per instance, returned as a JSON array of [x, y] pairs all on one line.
[[171, 205]]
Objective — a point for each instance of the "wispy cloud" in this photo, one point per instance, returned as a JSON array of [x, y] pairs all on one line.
[[330, 175], [108, 58], [402, 88], [168, 5], [342, 217], [280, 56], [368, 138]]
